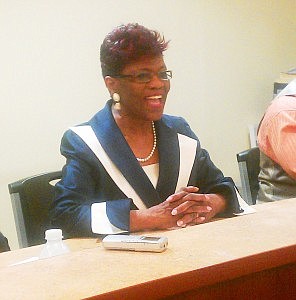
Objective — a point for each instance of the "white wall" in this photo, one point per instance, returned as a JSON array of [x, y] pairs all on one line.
[[225, 56]]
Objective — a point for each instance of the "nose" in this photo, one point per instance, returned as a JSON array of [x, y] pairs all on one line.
[[156, 82]]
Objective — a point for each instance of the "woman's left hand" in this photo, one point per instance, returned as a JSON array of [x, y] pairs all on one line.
[[195, 208]]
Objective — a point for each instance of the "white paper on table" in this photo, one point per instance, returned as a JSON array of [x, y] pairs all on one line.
[[25, 261], [245, 206]]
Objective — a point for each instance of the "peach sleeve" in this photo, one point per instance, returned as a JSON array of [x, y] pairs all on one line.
[[282, 138]]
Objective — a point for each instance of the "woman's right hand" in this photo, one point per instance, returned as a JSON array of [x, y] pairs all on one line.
[[156, 217]]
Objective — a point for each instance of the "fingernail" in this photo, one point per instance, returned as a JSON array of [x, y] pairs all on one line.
[[174, 212], [202, 218], [179, 223], [209, 208]]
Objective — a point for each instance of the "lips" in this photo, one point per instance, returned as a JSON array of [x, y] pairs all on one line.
[[155, 103]]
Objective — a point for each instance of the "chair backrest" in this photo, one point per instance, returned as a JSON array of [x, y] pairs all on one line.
[[249, 167], [31, 199], [4, 246]]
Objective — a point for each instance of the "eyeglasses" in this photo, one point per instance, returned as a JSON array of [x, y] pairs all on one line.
[[145, 77]]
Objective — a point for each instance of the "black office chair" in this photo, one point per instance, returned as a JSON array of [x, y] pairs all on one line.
[[31, 198], [4, 246], [249, 168]]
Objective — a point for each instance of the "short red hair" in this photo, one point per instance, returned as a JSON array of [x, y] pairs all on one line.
[[127, 43]]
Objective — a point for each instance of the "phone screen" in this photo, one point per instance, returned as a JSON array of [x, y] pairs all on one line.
[[150, 238]]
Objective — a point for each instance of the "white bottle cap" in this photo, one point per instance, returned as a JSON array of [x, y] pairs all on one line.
[[53, 234]]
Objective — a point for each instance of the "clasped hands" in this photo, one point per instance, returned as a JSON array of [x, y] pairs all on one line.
[[192, 208], [185, 208]]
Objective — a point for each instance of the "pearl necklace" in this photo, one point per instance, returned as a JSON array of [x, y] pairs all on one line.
[[153, 148]]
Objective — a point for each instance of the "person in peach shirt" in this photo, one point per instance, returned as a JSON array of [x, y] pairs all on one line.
[[277, 144]]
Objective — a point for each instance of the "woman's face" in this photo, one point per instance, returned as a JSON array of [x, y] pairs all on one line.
[[143, 101]]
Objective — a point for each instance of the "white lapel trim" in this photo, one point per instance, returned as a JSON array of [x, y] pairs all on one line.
[[187, 156], [88, 136]]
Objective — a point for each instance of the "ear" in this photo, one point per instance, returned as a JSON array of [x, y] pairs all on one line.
[[111, 84]]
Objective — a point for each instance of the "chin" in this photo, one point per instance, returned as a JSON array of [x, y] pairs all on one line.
[[157, 116]]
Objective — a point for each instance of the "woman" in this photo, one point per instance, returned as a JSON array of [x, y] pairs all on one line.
[[131, 168]]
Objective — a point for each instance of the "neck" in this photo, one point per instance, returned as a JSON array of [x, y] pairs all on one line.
[[131, 126], [141, 137]]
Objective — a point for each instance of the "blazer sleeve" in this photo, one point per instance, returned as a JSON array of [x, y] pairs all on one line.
[[210, 179], [79, 188]]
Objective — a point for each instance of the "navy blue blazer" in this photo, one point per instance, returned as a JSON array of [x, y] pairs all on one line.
[[86, 181]]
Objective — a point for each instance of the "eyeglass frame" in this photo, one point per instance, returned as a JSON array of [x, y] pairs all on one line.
[[169, 74]]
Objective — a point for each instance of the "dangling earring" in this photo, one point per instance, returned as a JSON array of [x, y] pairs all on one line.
[[116, 99]]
